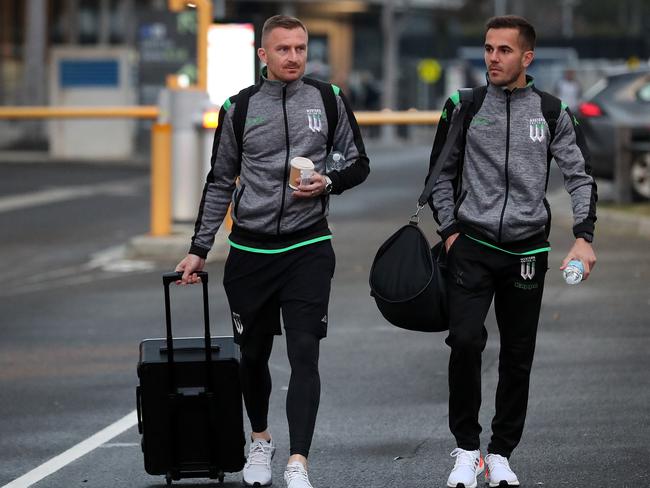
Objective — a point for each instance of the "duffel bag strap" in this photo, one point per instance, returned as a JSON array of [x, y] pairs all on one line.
[[466, 98]]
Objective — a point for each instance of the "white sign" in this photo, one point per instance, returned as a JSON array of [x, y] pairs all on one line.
[[231, 60]]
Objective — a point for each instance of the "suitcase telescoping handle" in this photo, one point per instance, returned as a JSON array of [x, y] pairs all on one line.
[[175, 276], [172, 277], [174, 393]]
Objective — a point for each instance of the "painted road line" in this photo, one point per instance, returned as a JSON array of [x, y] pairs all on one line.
[[44, 197], [75, 452]]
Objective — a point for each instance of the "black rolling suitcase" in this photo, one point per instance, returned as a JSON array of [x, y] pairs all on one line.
[[189, 402]]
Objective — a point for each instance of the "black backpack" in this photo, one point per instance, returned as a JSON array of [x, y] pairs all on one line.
[[327, 91]]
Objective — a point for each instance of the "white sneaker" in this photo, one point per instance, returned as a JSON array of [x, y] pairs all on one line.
[[257, 471], [469, 464], [498, 472], [296, 476]]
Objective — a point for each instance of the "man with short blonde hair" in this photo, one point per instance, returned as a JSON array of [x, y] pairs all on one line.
[[281, 260]]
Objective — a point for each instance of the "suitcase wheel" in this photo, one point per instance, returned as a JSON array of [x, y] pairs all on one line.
[[168, 479], [221, 477]]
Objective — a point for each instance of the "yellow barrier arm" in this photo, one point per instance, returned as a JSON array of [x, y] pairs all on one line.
[[406, 117], [48, 112]]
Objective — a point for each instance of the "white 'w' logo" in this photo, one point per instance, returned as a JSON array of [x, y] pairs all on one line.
[[236, 320], [314, 117], [537, 127], [528, 268]]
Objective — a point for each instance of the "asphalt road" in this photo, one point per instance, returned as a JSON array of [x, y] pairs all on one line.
[[72, 316]]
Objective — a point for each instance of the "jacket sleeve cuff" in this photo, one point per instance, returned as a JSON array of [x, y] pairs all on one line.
[[584, 230], [199, 251], [587, 236], [447, 231], [336, 182]]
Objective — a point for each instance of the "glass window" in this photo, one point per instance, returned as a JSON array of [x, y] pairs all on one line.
[[644, 93], [635, 88]]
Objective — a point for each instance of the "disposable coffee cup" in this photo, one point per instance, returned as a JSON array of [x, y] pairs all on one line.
[[300, 168]]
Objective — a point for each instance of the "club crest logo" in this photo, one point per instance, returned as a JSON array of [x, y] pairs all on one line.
[[314, 117], [537, 129], [236, 320], [528, 267]]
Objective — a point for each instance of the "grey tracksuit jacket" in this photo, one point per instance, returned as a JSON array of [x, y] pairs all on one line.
[[264, 212], [494, 185]]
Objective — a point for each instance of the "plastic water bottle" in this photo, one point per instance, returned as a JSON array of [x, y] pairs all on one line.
[[335, 161], [573, 272]]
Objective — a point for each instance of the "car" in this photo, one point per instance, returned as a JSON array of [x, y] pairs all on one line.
[[619, 100]]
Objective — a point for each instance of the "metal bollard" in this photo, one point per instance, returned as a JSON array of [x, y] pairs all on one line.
[[161, 179]]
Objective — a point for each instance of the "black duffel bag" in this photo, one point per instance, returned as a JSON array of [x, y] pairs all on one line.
[[407, 278], [407, 281]]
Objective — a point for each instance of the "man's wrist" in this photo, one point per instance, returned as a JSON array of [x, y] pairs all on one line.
[[586, 236]]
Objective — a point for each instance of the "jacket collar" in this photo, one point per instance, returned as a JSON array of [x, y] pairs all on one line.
[[517, 92], [274, 88]]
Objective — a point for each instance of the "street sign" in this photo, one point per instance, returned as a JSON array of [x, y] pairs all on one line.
[[429, 70]]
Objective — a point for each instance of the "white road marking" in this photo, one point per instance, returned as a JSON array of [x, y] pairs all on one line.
[[110, 261], [43, 197], [75, 452], [119, 444]]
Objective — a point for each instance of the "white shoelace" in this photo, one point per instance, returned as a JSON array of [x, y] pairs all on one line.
[[463, 458], [295, 471], [260, 453], [498, 459]]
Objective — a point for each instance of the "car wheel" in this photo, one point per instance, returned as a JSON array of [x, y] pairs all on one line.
[[640, 176]]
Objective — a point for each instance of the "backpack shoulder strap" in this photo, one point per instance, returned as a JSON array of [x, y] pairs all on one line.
[[551, 108], [452, 137], [476, 101], [479, 94], [239, 116], [328, 92], [466, 95]]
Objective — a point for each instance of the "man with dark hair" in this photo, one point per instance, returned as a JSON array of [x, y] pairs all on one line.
[[281, 259], [490, 204], [526, 32]]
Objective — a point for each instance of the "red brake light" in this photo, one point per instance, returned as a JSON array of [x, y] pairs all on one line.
[[589, 109]]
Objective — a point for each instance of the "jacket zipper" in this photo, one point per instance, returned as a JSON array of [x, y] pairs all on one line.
[[505, 201], [286, 159]]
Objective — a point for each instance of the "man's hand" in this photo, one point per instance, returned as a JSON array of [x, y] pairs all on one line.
[[315, 187], [582, 251], [450, 241], [189, 266]]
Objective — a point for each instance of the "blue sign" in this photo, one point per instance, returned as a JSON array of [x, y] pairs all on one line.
[[87, 74]]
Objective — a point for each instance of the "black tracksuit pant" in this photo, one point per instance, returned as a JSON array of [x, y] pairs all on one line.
[[477, 274]]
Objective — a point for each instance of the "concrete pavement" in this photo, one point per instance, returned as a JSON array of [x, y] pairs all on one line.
[[69, 336]]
